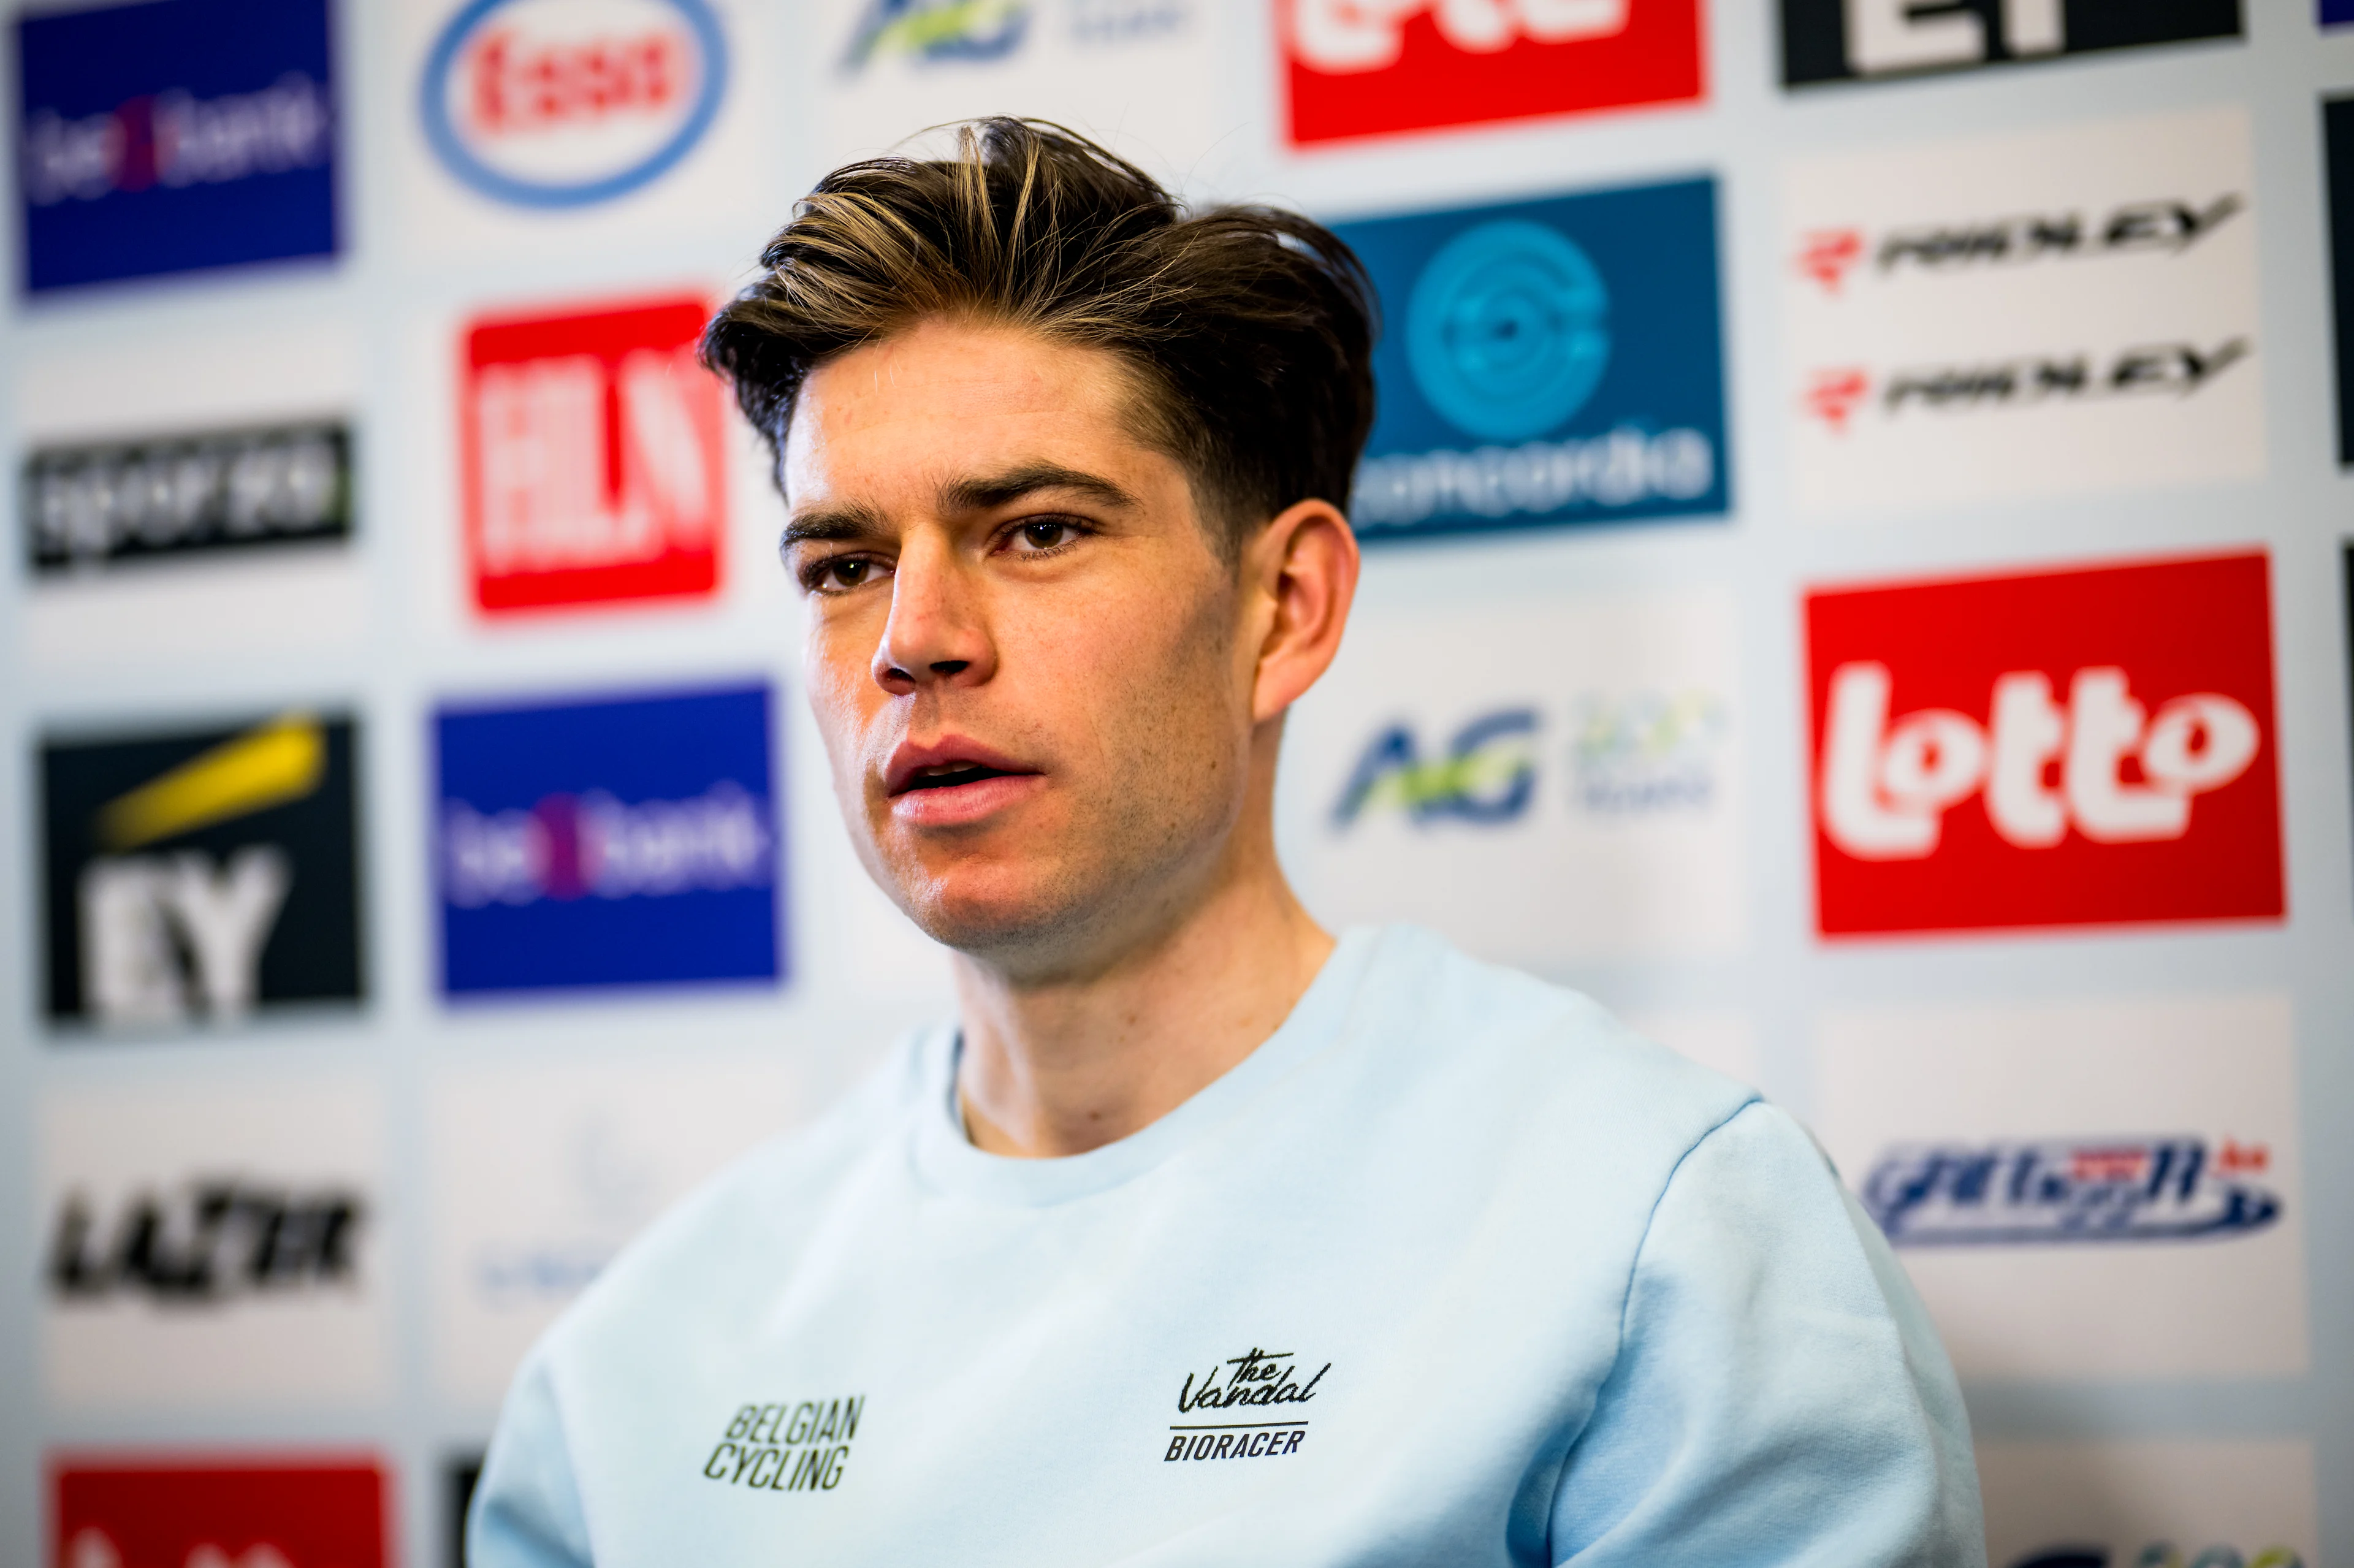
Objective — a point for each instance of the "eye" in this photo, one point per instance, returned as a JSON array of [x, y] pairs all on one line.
[[1046, 535], [839, 574]]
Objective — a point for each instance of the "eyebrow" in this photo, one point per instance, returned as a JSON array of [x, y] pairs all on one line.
[[987, 492], [831, 524]]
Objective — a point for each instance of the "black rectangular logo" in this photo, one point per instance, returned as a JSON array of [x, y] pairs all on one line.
[[94, 503], [201, 875], [1844, 40], [2337, 142]]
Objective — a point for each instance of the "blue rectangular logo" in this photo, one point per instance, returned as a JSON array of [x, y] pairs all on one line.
[[174, 135], [2336, 13], [1545, 363], [608, 843]]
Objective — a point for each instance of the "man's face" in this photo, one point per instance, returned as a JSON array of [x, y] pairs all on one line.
[[1024, 652]]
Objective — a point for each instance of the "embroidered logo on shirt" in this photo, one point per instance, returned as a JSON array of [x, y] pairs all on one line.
[[1254, 1383], [787, 1447]]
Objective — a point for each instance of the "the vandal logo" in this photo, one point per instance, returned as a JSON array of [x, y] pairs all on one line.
[[787, 1446], [1235, 1410], [1827, 40], [174, 135], [2159, 1554], [2144, 370], [546, 104], [2114, 726], [220, 1515], [211, 1240], [2178, 1188], [1509, 398], [202, 875], [1628, 754], [594, 460], [608, 843], [931, 31], [96, 503], [1360, 67], [2162, 228]]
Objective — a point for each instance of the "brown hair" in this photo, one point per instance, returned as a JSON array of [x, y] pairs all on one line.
[[1250, 328]]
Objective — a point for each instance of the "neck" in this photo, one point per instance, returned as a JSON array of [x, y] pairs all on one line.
[[1058, 1067]]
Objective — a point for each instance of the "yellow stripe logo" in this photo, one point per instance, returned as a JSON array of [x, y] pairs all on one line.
[[269, 766]]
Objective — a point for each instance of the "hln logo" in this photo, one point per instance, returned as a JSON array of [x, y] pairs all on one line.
[[201, 875]]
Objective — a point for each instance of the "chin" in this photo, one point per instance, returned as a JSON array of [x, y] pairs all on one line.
[[1025, 922]]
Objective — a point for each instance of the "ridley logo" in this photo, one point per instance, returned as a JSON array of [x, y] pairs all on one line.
[[542, 105], [2062, 1190], [2114, 725], [593, 457], [2182, 369], [2166, 228]]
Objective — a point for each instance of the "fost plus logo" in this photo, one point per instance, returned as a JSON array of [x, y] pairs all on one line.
[[560, 103], [1368, 67], [2070, 1191], [2050, 748], [1559, 363], [93, 504], [2060, 310], [201, 875], [626, 842], [594, 462], [218, 1514], [1834, 40], [174, 135]]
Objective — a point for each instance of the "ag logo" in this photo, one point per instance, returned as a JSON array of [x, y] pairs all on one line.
[[1488, 773], [201, 875], [937, 30], [561, 103]]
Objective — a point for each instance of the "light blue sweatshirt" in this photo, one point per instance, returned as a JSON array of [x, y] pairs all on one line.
[[1454, 1269]]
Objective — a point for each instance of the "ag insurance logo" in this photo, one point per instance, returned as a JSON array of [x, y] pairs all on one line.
[[594, 465], [1366, 67], [628, 840], [1549, 362], [201, 874], [174, 135], [2045, 749], [1833, 41], [564, 103], [210, 1512]]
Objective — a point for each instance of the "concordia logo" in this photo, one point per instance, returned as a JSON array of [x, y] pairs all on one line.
[[219, 1238], [541, 105], [2069, 1189]]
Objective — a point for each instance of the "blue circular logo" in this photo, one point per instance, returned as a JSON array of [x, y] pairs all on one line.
[[560, 122], [1508, 329]]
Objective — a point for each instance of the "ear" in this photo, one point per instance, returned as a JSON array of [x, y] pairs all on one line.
[[1299, 576]]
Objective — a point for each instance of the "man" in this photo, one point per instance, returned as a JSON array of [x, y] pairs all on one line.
[[1202, 1238]]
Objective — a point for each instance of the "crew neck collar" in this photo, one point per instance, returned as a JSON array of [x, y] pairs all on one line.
[[947, 1159]]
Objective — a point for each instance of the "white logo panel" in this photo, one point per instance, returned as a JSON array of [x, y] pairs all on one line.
[[2233, 1504]]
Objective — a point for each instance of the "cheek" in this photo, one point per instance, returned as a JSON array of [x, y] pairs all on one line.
[[835, 674]]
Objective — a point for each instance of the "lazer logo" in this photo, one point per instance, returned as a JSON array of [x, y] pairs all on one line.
[[89, 505], [1342, 36], [219, 1239], [2147, 227], [2062, 1190], [1824, 40], [933, 31], [1886, 787], [2113, 724], [594, 462], [2180, 369], [220, 881]]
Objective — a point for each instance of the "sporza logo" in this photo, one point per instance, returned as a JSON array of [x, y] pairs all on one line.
[[1559, 363], [541, 104], [1647, 753], [92, 504], [2178, 1188]]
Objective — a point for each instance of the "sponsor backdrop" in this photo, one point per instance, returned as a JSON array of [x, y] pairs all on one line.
[[1859, 563]]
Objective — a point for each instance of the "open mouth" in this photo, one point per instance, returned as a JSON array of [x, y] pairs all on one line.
[[950, 775]]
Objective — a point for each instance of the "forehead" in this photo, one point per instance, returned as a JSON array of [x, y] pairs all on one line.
[[942, 398]]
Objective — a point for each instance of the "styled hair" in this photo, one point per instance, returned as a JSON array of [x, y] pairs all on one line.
[[1249, 329]]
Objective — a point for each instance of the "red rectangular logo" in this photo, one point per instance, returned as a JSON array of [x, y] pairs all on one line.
[[1371, 68], [595, 466], [220, 1516], [2055, 749]]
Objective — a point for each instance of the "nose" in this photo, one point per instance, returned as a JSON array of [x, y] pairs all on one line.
[[937, 633]]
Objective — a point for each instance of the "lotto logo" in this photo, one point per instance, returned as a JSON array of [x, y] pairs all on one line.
[[594, 467], [220, 1516], [1367, 68], [2113, 727]]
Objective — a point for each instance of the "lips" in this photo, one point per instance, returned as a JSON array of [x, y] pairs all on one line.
[[954, 782]]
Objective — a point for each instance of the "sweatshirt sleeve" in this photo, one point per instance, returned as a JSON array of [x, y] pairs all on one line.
[[526, 1510], [1779, 1396]]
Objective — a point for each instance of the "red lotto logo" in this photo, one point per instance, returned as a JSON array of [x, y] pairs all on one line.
[[1367, 68], [594, 466], [2059, 748], [220, 1516]]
